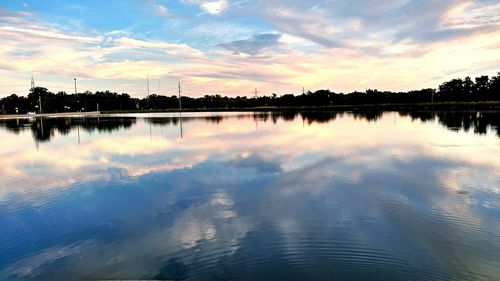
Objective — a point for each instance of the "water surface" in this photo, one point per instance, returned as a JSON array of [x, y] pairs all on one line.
[[251, 196]]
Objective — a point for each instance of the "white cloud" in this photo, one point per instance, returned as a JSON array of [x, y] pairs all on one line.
[[162, 10], [215, 7], [212, 7], [325, 51]]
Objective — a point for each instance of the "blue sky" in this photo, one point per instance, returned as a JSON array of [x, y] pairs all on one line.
[[233, 46]]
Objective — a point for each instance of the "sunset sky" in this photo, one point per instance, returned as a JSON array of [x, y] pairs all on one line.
[[230, 47]]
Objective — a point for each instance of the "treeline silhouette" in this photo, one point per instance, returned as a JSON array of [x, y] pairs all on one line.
[[482, 88], [44, 129]]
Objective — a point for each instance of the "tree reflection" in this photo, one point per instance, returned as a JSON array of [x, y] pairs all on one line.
[[479, 122], [44, 129]]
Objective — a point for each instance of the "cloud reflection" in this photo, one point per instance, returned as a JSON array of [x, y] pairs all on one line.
[[375, 192]]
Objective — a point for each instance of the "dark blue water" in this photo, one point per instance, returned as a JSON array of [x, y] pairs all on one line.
[[236, 196]]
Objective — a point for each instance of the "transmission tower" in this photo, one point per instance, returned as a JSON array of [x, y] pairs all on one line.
[[256, 93]]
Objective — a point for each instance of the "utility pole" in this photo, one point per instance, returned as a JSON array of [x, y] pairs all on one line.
[[78, 109], [147, 79], [256, 92], [39, 97], [40, 102], [3, 109], [180, 97], [432, 96]]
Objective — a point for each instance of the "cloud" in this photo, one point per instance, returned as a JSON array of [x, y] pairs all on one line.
[[8, 17], [209, 33], [318, 28], [162, 10], [212, 7], [255, 45], [215, 7], [277, 46], [343, 24], [250, 75]]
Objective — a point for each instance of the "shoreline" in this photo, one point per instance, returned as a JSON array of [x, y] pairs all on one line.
[[442, 106], [64, 114], [451, 106]]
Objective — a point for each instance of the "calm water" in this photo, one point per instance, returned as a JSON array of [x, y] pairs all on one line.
[[209, 196]]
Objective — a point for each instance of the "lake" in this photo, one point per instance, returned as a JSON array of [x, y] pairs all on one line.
[[251, 196]]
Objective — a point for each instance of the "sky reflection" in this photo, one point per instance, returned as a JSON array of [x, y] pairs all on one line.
[[251, 196]]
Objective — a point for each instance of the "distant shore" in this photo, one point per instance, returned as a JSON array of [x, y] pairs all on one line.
[[62, 114], [441, 106], [484, 105]]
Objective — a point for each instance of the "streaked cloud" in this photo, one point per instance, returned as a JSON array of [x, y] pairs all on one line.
[[254, 45], [278, 46]]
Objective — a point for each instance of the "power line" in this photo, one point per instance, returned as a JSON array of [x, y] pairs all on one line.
[[131, 90], [16, 85]]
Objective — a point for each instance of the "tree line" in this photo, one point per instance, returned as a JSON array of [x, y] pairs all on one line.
[[482, 88]]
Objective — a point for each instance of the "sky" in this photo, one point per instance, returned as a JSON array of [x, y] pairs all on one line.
[[231, 47]]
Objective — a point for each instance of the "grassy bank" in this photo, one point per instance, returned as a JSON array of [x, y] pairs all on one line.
[[60, 114], [486, 105]]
